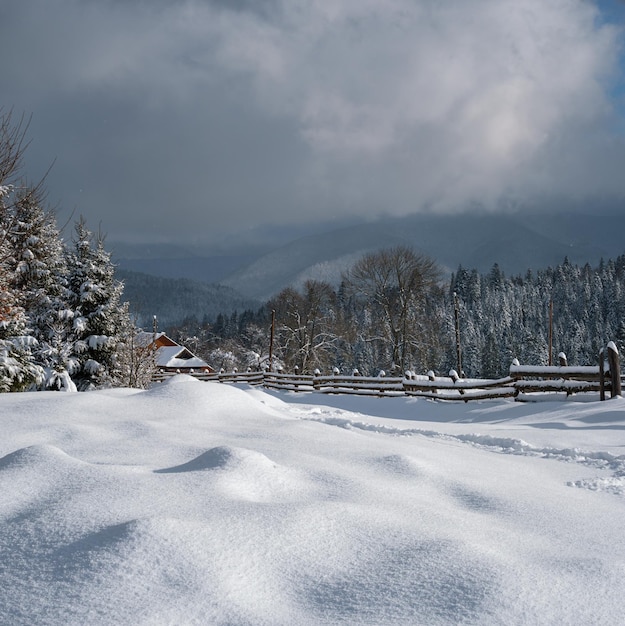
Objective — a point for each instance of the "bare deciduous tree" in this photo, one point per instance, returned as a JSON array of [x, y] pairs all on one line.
[[395, 283], [306, 331]]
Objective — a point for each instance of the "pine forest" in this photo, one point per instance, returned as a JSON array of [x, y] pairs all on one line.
[[392, 313]]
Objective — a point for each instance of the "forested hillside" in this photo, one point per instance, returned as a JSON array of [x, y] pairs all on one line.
[[174, 299], [391, 312], [531, 238], [508, 317]]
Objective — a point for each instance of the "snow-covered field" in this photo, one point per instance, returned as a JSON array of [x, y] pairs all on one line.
[[201, 503]]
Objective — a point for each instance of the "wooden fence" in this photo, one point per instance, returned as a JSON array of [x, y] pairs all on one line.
[[523, 383]]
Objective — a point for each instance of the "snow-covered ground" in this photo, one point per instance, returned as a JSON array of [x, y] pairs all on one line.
[[203, 503]]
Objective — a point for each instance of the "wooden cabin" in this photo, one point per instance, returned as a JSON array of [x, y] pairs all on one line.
[[171, 356]]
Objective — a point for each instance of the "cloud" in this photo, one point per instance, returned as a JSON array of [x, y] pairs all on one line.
[[180, 116], [463, 98]]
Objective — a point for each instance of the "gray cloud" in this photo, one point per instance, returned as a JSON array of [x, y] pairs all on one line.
[[190, 118]]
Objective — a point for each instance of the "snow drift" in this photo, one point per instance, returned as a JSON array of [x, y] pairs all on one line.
[[201, 503]]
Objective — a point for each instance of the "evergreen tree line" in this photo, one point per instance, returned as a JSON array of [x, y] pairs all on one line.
[[392, 313], [62, 322], [505, 318]]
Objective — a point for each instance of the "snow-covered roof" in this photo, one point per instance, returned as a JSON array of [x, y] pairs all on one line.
[[144, 338], [178, 357], [170, 356]]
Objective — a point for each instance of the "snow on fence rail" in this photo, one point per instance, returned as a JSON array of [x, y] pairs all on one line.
[[558, 379], [455, 388], [253, 378], [523, 382]]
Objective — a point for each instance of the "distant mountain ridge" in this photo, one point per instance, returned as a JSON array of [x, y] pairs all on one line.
[[516, 242], [208, 270]]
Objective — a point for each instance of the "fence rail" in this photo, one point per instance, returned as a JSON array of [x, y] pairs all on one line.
[[523, 383]]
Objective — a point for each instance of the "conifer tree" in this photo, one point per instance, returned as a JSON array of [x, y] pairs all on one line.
[[18, 369], [40, 280], [101, 322]]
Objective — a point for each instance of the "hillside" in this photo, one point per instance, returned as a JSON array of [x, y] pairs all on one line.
[[176, 261], [172, 300], [516, 243]]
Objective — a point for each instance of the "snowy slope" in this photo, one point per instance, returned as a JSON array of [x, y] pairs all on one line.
[[201, 503]]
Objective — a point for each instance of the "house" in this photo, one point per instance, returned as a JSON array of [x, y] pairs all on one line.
[[171, 356]]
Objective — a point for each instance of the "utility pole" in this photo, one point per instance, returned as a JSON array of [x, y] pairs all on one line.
[[457, 321], [551, 331], [273, 324]]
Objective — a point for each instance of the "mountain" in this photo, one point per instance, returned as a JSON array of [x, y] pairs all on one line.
[[176, 261], [515, 242], [173, 300], [201, 269]]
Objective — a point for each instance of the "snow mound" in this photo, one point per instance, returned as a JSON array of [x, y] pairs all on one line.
[[400, 465], [180, 386], [179, 379], [38, 455], [186, 396], [223, 457], [242, 474], [32, 478]]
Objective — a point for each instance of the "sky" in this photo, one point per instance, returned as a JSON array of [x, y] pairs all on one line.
[[211, 120], [206, 503]]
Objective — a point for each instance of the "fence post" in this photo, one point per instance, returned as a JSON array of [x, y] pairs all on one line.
[[615, 369], [454, 376], [316, 375], [432, 378]]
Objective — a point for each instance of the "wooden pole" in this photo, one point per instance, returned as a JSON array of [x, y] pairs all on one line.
[[551, 331], [273, 324], [615, 369], [457, 324]]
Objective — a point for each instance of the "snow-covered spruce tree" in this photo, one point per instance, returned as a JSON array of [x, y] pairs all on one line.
[[40, 279], [17, 367], [18, 370], [101, 323]]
